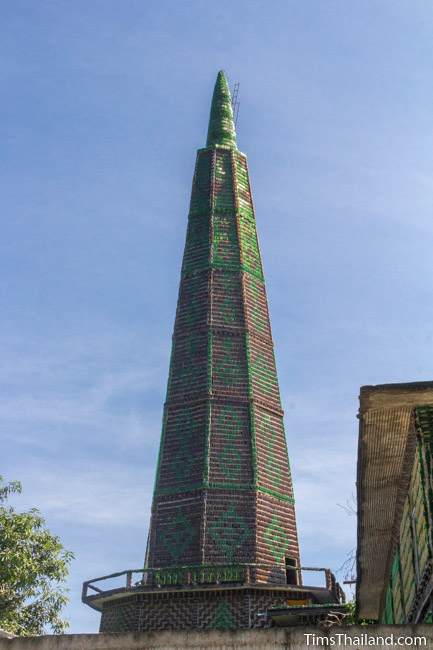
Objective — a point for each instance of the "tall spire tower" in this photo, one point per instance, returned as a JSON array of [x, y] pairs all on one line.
[[222, 542], [223, 489]]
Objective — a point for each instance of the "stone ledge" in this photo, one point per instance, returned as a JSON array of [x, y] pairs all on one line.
[[293, 638]]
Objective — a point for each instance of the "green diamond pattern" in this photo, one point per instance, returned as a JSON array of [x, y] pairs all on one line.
[[229, 532], [176, 536]]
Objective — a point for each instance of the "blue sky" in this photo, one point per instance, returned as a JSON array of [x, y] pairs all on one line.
[[104, 105]]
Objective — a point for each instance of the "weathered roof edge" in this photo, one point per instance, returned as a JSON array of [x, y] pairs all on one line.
[[411, 385]]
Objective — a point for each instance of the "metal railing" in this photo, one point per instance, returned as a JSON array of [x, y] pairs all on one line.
[[204, 575]]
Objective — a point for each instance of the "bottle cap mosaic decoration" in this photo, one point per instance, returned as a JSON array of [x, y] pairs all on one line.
[[222, 541], [223, 489]]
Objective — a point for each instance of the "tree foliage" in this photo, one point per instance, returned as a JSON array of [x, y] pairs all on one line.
[[33, 568]]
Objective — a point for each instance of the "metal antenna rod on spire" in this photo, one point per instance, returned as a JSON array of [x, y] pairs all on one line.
[[235, 102]]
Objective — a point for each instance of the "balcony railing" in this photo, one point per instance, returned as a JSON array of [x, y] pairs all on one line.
[[204, 575]]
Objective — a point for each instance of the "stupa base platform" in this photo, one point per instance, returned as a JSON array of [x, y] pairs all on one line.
[[217, 606]]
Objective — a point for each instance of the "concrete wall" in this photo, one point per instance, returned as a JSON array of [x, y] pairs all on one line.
[[272, 639]]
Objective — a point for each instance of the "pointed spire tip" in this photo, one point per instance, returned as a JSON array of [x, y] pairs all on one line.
[[221, 124]]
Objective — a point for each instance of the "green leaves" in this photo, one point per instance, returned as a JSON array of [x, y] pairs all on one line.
[[33, 566], [11, 487]]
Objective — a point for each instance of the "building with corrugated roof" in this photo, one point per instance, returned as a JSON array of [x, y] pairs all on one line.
[[395, 503]]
